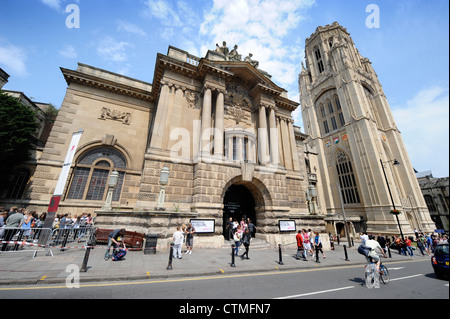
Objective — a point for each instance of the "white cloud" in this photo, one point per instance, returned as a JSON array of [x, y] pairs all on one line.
[[113, 50], [261, 27], [163, 11], [68, 52], [131, 28], [424, 123], [12, 59], [54, 4]]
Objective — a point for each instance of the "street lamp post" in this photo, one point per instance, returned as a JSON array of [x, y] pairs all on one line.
[[390, 193], [163, 181], [112, 183]]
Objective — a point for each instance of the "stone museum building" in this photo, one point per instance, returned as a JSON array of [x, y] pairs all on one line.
[[213, 137]]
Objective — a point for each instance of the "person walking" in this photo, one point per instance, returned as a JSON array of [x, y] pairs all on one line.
[[409, 248], [178, 237], [318, 246], [237, 239], [306, 242], [300, 248], [246, 238]]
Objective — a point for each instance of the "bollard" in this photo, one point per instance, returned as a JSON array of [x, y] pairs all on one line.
[[353, 244], [389, 252], [345, 251], [339, 242], [280, 262], [169, 266], [232, 255], [66, 237], [90, 245]]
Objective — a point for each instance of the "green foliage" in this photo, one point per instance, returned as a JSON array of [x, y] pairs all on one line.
[[17, 125]]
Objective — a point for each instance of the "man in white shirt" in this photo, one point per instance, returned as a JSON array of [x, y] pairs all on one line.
[[178, 237], [373, 244]]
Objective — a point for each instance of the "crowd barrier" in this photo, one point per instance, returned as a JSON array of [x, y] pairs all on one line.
[[44, 239]]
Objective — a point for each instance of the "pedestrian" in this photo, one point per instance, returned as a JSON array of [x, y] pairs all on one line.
[[408, 244], [237, 239], [306, 242], [114, 239], [318, 246], [120, 252], [13, 222], [300, 248], [177, 242], [229, 229], [382, 241], [251, 227], [246, 238], [26, 225], [190, 230]]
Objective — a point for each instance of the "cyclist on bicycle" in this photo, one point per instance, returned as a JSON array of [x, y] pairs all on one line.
[[373, 244]]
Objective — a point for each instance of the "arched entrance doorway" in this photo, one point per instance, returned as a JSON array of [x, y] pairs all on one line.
[[238, 203]]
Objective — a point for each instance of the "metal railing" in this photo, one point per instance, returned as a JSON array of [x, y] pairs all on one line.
[[44, 239]]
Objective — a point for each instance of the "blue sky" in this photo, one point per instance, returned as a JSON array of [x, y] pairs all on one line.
[[409, 51]]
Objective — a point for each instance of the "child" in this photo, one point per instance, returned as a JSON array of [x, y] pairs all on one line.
[[120, 252]]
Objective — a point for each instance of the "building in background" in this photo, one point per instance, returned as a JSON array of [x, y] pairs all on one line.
[[348, 119], [435, 192]]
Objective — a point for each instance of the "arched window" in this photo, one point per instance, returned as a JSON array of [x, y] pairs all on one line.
[[347, 179], [17, 183], [91, 174]]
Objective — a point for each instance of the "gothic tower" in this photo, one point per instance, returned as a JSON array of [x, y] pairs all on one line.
[[361, 152]]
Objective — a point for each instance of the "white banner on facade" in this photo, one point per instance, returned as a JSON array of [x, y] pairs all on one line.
[[59, 190]]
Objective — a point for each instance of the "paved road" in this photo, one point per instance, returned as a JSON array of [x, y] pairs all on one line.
[[410, 280]]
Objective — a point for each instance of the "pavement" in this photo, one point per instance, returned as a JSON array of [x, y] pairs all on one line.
[[20, 268]]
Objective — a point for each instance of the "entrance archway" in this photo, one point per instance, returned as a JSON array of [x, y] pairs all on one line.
[[238, 203]]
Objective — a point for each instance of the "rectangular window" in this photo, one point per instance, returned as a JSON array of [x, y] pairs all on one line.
[[341, 119], [325, 125], [78, 185], [235, 149], [330, 107], [322, 111], [333, 123], [97, 186], [338, 103]]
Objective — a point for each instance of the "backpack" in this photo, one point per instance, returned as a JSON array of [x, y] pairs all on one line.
[[364, 250]]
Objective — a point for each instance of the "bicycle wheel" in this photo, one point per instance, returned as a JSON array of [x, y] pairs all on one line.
[[369, 275], [384, 275]]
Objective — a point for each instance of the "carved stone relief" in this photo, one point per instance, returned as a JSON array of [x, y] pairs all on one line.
[[108, 114]]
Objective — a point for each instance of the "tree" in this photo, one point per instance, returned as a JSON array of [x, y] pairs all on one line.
[[17, 126]]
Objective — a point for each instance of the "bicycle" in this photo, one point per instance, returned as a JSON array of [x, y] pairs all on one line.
[[372, 280]]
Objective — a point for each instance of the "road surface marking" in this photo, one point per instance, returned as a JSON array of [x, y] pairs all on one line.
[[398, 268], [418, 275], [315, 293], [201, 278]]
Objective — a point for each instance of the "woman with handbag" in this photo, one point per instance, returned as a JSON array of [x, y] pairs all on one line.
[[318, 246]]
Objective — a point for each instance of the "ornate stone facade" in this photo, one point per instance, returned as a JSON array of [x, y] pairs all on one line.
[[348, 119], [217, 123]]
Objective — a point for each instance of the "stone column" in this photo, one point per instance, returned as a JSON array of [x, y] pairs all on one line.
[[240, 148], [295, 157], [218, 132], [205, 133], [160, 117], [286, 144], [274, 155], [262, 136]]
